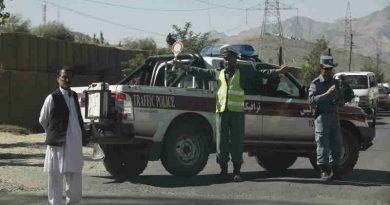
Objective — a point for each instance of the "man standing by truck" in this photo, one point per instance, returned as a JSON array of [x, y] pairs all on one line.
[[324, 92], [230, 122], [61, 118]]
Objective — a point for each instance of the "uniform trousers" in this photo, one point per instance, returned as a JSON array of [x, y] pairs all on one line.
[[328, 139], [72, 187], [230, 128]]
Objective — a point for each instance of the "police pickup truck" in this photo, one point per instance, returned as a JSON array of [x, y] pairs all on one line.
[[159, 113]]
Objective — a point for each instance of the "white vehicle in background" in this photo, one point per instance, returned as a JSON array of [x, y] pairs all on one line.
[[365, 88]]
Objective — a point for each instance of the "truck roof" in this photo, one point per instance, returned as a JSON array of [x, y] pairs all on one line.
[[354, 73]]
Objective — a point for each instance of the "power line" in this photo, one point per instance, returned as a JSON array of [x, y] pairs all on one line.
[[272, 24], [102, 19], [44, 10], [348, 36], [146, 9], [219, 5]]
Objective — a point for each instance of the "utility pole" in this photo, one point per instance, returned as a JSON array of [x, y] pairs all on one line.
[[271, 24], [348, 43], [44, 9], [378, 54], [58, 14], [350, 53]]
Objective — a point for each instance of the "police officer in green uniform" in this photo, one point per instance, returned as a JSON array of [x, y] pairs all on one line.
[[324, 92], [345, 90], [230, 122]]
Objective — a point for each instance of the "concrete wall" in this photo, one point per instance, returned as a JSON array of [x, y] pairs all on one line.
[[27, 72]]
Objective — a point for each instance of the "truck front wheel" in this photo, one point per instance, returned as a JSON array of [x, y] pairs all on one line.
[[275, 162], [186, 150], [350, 153], [122, 162]]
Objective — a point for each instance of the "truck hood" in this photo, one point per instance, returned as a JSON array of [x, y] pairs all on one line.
[[360, 92]]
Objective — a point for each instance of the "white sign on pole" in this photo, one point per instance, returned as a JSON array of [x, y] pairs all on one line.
[[177, 48]]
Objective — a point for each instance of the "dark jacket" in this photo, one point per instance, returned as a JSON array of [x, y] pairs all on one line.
[[58, 120], [328, 104]]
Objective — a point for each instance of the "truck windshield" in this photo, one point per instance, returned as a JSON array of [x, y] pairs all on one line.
[[381, 90], [357, 81]]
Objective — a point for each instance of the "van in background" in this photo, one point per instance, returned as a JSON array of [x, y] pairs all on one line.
[[365, 87]]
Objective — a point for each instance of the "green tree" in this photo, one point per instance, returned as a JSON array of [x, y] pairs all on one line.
[[15, 23], [144, 44], [3, 15], [147, 45], [193, 42], [101, 38], [310, 69], [54, 30], [370, 66], [133, 63]]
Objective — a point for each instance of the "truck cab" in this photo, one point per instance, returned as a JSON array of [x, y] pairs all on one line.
[[159, 112]]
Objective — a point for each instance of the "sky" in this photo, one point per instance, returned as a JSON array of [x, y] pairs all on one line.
[[119, 19]]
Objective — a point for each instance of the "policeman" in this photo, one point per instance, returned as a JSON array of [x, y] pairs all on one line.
[[345, 90], [230, 122], [324, 92]]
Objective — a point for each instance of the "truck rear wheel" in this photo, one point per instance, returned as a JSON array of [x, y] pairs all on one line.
[[122, 162], [350, 153], [186, 150], [275, 162]]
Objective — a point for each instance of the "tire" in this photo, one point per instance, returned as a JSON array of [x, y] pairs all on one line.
[[350, 153], [276, 162], [186, 150], [122, 162]]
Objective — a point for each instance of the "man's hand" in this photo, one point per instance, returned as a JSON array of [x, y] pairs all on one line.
[[284, 69], [328, 92], [331, 89]]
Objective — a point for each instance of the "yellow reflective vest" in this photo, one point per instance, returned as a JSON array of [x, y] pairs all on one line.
[[231, 96]]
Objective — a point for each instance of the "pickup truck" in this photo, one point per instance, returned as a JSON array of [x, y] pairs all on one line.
[[160, 113]]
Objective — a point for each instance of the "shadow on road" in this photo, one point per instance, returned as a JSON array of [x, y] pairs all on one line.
[[358, 177], [22, 144], [20, 156], [381, 123], [17, 199], [169, 181], [383, 114], [8, 159]]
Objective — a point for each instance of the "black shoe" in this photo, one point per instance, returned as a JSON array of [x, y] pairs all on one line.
[[326, 174], [237, 178]]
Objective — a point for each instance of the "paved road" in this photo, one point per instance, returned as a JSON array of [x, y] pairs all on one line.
[[369, 183]]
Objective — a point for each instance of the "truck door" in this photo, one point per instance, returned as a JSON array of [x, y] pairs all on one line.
[[253, 118], [285, 116]]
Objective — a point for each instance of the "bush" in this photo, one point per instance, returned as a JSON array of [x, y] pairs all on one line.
[[54, 30], [14, 129], [15, 23]]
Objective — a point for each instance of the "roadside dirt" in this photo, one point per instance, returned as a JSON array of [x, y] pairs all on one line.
[[21, 163]]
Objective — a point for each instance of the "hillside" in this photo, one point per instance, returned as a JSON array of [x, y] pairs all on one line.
[[367, 30]]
